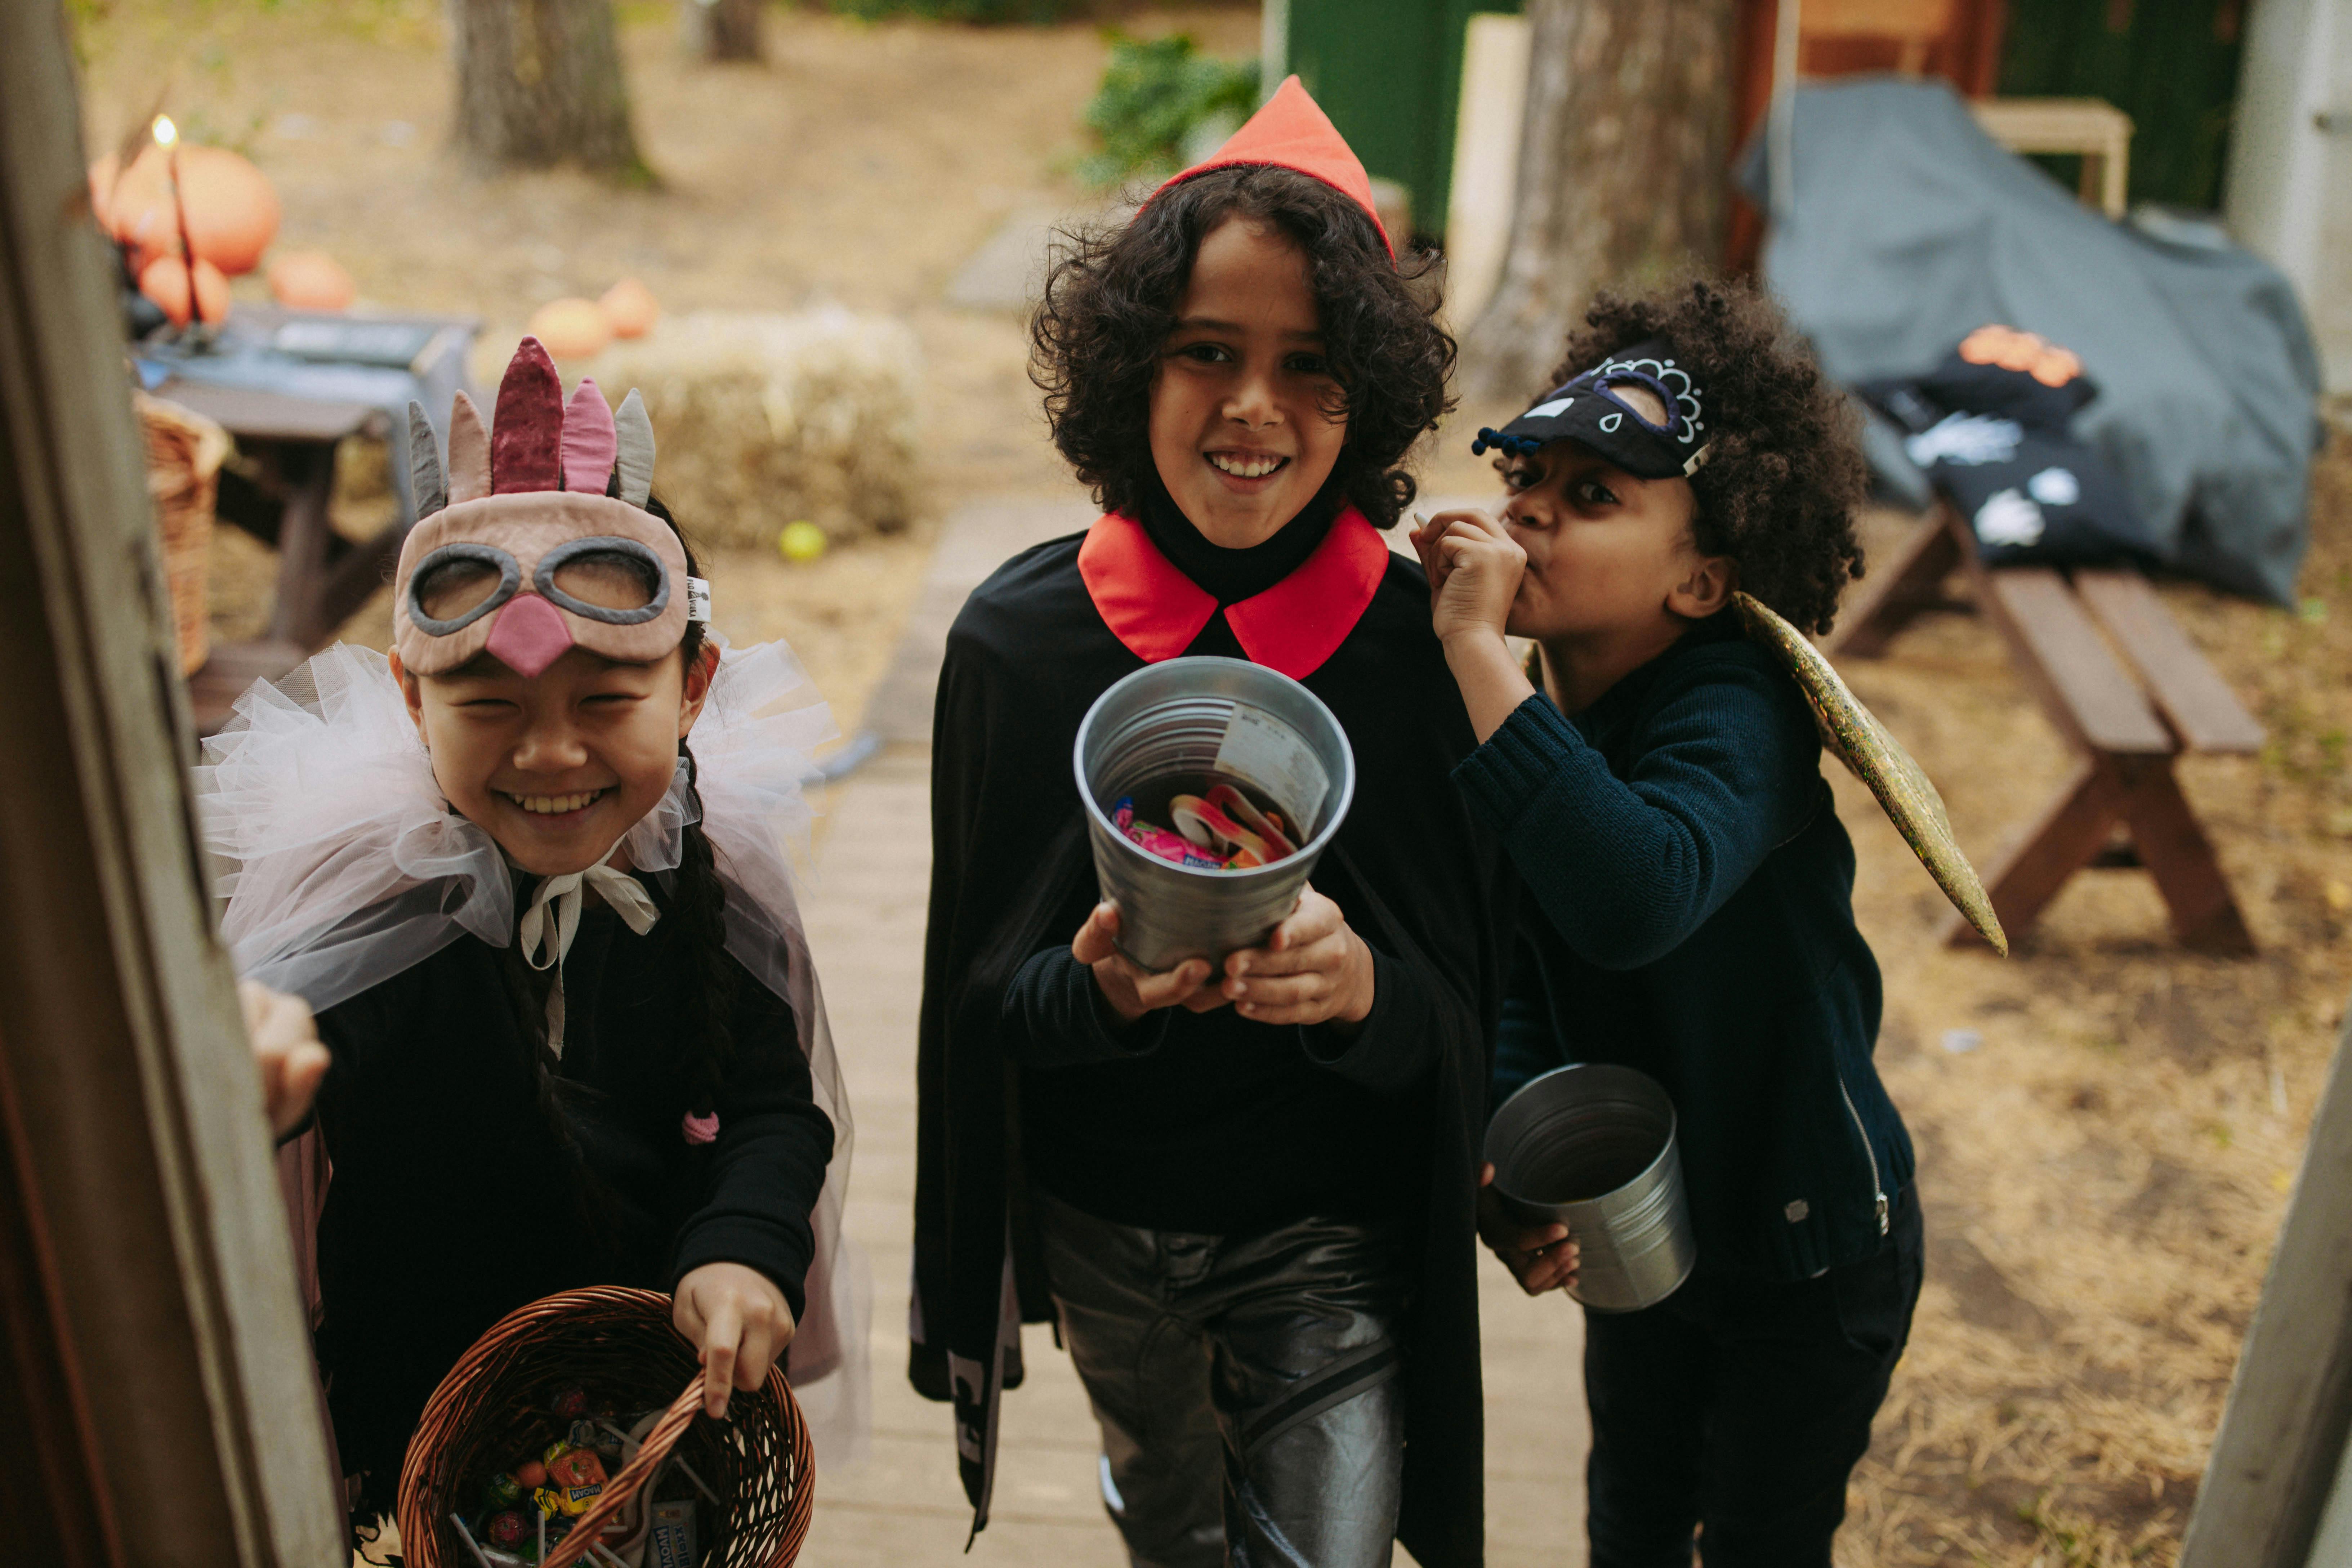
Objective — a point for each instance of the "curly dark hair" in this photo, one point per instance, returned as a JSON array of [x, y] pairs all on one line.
[[1784, 470], [1111, 302]]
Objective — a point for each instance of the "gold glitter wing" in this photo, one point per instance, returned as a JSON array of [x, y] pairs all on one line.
[[1878, 760]]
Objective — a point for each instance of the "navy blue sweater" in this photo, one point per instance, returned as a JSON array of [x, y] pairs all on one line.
[[1688, 912]]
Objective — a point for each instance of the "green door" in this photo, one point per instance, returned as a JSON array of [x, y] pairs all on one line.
[[2171, 65], [1389, 72]]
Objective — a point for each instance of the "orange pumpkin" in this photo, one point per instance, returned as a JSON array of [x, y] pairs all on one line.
[[630, 306], [310, 281], [134, 205], [165, 281], [233, 210], [571, 329]]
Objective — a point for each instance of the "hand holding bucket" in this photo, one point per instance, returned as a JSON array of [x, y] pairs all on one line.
[[1591, 1147]]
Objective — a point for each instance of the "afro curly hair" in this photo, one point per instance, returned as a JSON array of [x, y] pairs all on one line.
[[1111, 302], [1784, 470]]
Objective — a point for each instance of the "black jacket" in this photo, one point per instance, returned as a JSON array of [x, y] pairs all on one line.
[[1689, 912]]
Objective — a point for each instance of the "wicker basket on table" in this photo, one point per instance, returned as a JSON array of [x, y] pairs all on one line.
[[619, 1346], [185, 453]]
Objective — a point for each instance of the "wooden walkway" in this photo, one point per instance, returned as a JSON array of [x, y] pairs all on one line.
[[866, 912]]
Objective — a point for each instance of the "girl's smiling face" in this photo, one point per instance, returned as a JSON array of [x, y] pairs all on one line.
[[557, 767], [1243, 428], [1607, 553]]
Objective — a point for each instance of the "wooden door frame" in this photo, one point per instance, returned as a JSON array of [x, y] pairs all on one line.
[[2283, 1436], [167, 1386]]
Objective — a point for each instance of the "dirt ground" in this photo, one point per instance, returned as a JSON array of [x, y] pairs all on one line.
[[2105, 1173], [861, 164], [2108, 1128]]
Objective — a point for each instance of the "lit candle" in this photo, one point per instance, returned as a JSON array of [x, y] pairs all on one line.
[[167, 136]]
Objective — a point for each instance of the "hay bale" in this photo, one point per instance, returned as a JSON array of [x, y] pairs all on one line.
[[763, 418]]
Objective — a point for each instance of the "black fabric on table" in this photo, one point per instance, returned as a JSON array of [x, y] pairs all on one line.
[[1997, 443], [452, 1201], [1019, 1080]]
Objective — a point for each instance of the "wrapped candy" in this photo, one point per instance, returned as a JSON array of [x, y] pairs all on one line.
[[571, 1404], [576, 1467], [507, 1529], [1207, 827], [504, 1489], [575, 1477], [1267, 825], [1222, 830], [1159, 841]]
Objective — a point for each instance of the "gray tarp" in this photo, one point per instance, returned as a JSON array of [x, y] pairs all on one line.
[[1911, 228]]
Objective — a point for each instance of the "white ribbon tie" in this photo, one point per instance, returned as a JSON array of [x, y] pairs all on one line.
[[567, 893]]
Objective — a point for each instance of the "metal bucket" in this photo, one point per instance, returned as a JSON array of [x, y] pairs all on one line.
[[1198, 721], [1592, 1146]]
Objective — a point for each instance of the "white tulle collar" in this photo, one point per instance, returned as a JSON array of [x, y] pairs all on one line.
[[340, 865]]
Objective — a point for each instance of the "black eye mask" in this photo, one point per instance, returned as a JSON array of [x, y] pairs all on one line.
[[1589, 410]]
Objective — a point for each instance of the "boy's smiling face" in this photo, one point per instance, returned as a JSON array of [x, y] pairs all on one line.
[[1607, 553], [557, 766], [1242, 431]]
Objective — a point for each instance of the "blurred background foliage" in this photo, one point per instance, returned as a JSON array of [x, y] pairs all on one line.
[[1163, 104]]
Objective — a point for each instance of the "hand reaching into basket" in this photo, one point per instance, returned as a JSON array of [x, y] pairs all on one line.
[[286, 1049], [1541, 1256], [739, 1321]]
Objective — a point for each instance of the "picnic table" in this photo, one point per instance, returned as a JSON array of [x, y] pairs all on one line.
[[2124, 685], [294, 386]]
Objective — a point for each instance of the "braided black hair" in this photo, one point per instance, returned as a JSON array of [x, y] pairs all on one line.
[[698, 904]]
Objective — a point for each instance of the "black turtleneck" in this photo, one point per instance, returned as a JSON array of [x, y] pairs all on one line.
[[1233, 575]]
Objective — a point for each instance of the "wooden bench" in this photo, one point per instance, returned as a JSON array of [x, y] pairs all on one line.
[[2128, 718]]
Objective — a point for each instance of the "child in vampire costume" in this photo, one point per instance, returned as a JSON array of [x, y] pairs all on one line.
[[1256, 1240], [615, 1069]]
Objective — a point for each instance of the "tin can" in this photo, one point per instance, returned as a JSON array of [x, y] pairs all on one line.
[[1178, 727], [1592, 1147]]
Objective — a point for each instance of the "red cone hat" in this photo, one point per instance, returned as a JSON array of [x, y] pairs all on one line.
[[1293, 133]]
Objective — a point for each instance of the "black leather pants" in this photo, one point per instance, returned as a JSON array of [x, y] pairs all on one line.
[[1246, 1388]]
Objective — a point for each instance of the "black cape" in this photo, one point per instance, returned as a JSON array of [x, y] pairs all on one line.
[[1012, 874], [453, 1202]]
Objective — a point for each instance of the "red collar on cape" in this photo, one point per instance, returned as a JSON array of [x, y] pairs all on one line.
[[1293, 627]]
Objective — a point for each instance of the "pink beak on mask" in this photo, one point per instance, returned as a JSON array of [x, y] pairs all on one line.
[[528, 636]]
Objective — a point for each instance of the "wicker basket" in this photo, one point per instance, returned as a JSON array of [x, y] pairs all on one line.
[[185, 453], [619, 1346]]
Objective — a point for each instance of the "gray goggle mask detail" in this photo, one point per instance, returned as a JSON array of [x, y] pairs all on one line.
[[452, 579]]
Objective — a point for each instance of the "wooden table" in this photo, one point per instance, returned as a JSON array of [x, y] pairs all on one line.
[[2128, 719], [281, 497], [280, 493]]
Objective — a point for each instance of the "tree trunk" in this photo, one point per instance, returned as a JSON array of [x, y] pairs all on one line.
[[722, 29], [1621, 171], [538, 82]]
